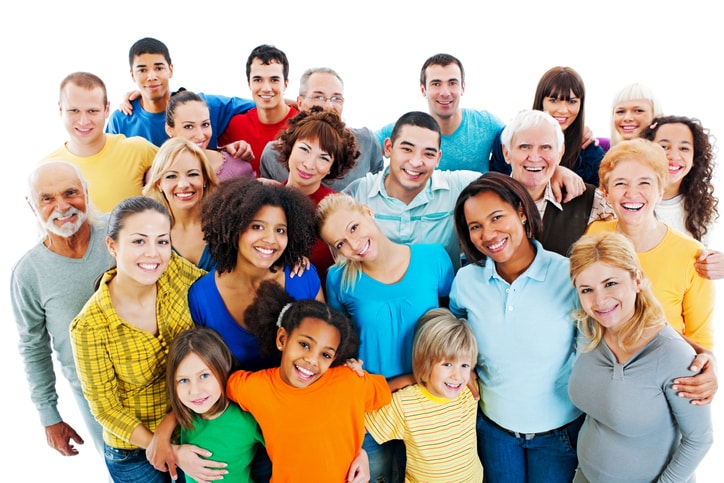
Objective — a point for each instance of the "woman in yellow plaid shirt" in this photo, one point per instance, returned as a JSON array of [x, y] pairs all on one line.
[[122, 336]]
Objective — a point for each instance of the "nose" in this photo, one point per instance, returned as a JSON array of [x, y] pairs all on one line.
[[61, 204]]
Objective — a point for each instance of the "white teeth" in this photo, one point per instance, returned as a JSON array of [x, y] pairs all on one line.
[[412, 173], [496, 245], [148, 266], [365, 249], [265, 251], [632, 206], [304, 371], [184, 196]]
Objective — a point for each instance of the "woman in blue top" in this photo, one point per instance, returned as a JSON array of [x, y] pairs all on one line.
[[384, 287], [254, 232], [518, 300]]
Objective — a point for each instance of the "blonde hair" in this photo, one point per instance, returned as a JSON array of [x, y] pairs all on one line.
[[615, 250], [352, 269], [632, 92], [165, 157], [440, 336], [641, 150]]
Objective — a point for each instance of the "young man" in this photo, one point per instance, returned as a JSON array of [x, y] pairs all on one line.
[[467, 134], [49, 285], [267, 74], [411, 199], [113, 164], [145, 116], [323, 87]]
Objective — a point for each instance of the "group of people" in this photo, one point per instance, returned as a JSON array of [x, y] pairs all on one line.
[[251, 290]]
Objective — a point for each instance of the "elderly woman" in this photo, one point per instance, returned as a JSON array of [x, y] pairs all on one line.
[[533, 145]]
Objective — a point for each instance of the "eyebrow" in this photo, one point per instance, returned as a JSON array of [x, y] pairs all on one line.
[[315, 341]]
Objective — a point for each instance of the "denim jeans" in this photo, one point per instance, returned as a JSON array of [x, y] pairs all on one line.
[[387, 460], [545, 458], [131, 466]]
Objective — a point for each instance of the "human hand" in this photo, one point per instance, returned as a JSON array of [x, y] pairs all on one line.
[[588, 138], [269, 182], [125, 106], [701, 387], [59, 435], [710, 264], [355, 365], [565, 178], [160, 453], [239, 149], [299, 267], [192, 460], [359, 470]]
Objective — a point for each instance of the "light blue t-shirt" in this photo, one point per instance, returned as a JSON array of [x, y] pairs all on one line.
[[429, 216], [469, 146], [152, 126], [526, 340], [385, 315]]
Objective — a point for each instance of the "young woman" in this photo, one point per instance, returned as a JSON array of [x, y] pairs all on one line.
[[181, 178], [384, 287], [637, 428], [187, 116], [317, 147], [689, 204], [633, 177], [517, 298], [633, 109], [121, 337]]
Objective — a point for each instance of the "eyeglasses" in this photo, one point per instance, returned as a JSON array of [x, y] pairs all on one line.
[[333, 99]]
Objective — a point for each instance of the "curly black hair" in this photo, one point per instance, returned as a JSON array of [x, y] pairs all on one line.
[[262, 315], [229, 210], [697, 187], [328, 129]]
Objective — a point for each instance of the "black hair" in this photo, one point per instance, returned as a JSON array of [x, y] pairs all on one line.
[[148, 45]]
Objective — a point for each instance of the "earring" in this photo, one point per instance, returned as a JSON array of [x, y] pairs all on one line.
[[523, 221]]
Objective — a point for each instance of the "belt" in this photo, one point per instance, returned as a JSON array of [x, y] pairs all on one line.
[[528, 436]]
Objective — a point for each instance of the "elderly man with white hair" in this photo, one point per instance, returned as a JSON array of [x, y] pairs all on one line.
[[533, 145], [48, 287]]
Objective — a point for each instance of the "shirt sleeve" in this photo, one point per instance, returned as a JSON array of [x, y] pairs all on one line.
[[387, 422]]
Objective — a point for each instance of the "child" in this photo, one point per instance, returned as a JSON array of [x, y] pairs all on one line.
[[436, 417], [310, 411], [198, 367]]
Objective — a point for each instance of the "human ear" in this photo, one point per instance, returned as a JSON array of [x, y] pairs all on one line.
[[281, 338]]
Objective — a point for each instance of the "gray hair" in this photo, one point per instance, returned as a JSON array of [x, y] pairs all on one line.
[[530, 119], [304, 81]]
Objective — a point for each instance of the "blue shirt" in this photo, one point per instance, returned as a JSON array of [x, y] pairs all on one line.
[[526, 340], [385, 315], [469, 146], [429, 216], [208, 310], [152, 126]]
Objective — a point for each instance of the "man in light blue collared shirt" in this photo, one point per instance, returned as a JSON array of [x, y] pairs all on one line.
[[412, 201]]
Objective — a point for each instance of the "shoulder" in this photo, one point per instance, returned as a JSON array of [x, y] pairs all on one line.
[[601, 227]]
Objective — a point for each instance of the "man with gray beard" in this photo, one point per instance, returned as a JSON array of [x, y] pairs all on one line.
[[48, 287]]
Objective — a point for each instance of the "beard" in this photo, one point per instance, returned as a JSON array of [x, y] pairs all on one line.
[[66, 229]]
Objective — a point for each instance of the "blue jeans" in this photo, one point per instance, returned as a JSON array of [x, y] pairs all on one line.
[[549, 457], [387, 460], [131, 466]]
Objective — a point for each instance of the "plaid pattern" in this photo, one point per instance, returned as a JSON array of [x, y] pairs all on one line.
[[122, 369]]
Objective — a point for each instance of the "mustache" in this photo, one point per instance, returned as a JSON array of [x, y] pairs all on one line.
[[64, 214]]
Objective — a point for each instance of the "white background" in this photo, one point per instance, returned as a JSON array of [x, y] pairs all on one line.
[[378, 48]]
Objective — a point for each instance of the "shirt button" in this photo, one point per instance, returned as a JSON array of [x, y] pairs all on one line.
[[510, 308]]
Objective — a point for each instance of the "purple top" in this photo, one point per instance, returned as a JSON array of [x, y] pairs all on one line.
[[234, 168]]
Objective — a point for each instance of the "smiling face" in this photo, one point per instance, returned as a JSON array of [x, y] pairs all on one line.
[[443, 89], [182, 184], [448, 377], [143, 247], [265, 239], [152, 73], [84, 115], [326, 85], [308, 165], [630, 118], [192, 122], [59, 200], [352, 233], [267, 84], [534, 157], [608, 294], [413, 157], [307, 352], [497, 230], [632, 190], [564, 111], [678, 142], [196, 385]]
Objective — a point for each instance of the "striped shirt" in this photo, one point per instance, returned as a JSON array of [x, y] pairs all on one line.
[[122, 369]]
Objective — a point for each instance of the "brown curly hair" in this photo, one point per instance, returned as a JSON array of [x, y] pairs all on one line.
[[327, 128], [697, 188], [229, 210]]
